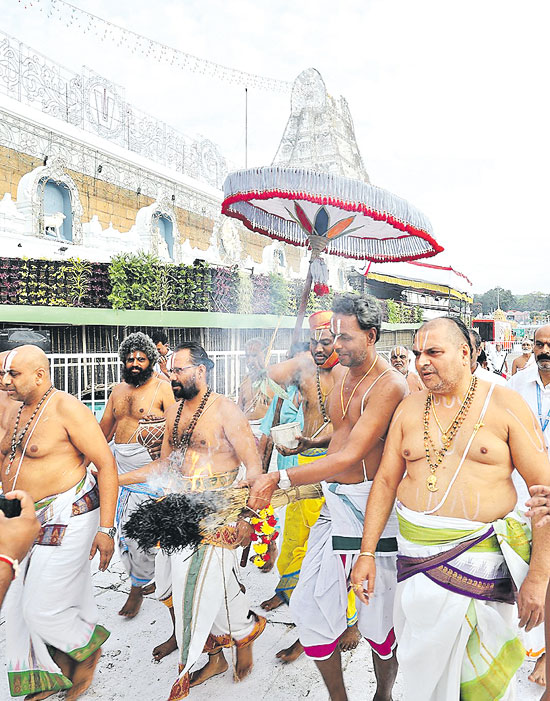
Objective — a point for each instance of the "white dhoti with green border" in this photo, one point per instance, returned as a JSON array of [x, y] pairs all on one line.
[[51, 604], [455, 615]]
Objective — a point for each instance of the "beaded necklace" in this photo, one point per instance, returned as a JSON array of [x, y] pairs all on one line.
[[17, 440], [450, 433], [183, 442]]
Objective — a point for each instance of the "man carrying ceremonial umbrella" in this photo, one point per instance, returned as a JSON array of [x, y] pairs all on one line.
[[207, 438]]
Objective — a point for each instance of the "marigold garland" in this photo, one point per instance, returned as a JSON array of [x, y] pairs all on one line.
[[265, 532]]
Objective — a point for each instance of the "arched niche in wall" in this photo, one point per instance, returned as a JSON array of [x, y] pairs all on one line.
[[157, 226], [49, 199]]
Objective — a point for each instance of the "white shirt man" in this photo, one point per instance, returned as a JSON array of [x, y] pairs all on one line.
[[529, 384], [498, 358], [489, 376]]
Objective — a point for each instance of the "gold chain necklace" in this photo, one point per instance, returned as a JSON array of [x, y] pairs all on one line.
[[345, 411], [431, 481], [445, 433]]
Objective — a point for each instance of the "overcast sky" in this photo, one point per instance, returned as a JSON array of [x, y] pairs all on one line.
[[449, 100]]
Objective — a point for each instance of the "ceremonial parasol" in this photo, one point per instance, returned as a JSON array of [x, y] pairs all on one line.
[[327, 213]]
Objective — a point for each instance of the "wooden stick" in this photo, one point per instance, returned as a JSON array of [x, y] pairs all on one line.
[[303, 306]]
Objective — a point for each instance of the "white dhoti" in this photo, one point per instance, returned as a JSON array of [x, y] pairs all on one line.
[[211, 610], [51, 603], [318, 605], [455, 617], [139, 564]]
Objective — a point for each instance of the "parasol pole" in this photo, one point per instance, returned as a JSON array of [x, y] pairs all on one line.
[[302, 307], [318, 244]]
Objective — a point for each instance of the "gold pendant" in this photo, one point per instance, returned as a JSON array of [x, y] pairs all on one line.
[[431, 483], [444, 438]]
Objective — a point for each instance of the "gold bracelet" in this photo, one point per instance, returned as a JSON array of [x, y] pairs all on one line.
[[367, 553]]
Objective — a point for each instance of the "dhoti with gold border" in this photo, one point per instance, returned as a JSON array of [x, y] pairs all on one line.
[[455, 618]]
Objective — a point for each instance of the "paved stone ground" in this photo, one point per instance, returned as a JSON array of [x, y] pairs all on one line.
[[127, 672]]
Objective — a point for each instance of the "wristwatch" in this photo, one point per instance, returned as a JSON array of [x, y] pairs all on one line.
[[284, 480], [111, 532]]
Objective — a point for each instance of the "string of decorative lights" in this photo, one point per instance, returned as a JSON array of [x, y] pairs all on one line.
[[73, 16]]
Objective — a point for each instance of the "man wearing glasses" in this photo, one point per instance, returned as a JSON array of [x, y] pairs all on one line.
[[206, 441]]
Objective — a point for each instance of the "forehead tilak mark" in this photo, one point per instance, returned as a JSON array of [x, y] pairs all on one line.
[[9, 359]]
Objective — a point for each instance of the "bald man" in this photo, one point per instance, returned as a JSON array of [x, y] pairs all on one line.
[[7, 405], [53, 638], [463, 552], [399, 358]]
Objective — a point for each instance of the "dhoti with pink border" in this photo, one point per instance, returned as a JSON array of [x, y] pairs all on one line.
[[318, 605]]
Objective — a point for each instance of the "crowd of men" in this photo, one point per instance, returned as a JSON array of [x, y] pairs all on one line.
[[430, 539]]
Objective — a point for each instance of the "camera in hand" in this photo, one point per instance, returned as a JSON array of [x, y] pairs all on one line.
[[10, 507]]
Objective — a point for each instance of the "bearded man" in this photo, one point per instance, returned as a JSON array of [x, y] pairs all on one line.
[[52, 632], [207, 438], [360, 408], [399, 358], [134, 416], [464, 553], [526, 359]]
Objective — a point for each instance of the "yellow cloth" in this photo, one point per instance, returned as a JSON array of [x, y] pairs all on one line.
[[299, 518]]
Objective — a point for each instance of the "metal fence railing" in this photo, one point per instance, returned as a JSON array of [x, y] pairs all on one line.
[[91, 376]]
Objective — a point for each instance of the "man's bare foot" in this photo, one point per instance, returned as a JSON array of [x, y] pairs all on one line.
[[133, 603], [217, 664], [273, 603], [148, 589], [65, 664], [244, 663], [538, 675], [291, 653], [350, 638], [83, 675], [165, 648]]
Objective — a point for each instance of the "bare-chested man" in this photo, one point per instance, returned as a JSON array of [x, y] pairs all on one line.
[[399, 358], [526, 359], [360, 408], [211, 611], [53, 640], [449, 458], [256, 390], [134, 417], [315, 375], [7, 406]]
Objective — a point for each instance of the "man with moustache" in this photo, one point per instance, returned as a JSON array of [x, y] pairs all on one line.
[[134, 418], [315, 375], [526, 359], [533, 383], [360, 408], [207, 438], [53, 637], [464, 553], [399, 358]]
